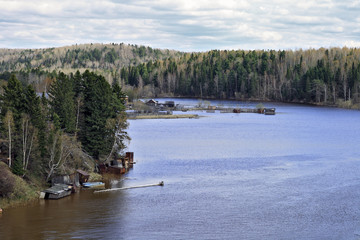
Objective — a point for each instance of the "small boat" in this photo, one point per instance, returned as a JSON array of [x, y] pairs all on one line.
[[58, 191], [93, 185]]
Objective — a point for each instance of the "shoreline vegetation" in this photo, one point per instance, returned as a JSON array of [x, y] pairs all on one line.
[[79, 122]]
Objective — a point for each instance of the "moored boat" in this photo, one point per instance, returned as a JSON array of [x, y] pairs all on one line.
[[94, 185]]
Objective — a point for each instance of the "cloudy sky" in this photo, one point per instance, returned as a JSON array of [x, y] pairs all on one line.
[[186, 25]]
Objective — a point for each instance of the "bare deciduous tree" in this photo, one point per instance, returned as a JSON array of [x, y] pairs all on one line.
[[60, 151]]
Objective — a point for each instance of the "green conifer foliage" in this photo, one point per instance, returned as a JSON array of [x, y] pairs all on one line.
[[14, 98], [62, 101]]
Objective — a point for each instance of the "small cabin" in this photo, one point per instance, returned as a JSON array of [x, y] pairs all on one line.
[[269, 111], [151, 102]]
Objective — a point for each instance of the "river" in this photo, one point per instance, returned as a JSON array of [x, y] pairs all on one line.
[[295, 175]]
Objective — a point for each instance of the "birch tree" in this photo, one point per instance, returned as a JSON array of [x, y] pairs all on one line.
[[28, 135]]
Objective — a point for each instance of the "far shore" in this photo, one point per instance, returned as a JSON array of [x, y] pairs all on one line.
[[173, 116]]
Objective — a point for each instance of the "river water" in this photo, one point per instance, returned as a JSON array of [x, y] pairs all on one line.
[[295, 175]]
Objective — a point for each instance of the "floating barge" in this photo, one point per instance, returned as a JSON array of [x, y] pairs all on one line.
[[266, 111], [269, 111], [57, 191]]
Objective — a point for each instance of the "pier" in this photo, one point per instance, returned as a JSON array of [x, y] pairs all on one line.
[[125, 188]]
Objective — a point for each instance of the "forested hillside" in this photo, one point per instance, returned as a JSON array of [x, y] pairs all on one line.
[[34, 65]]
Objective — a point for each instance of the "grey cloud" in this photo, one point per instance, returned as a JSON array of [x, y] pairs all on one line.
[[185, 25]]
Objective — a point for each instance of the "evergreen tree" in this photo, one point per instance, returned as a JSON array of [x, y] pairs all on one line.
[[14, 99], [96, 111], [78, 84], [62, 101]]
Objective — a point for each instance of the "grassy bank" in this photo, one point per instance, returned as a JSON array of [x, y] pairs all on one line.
[[14, 190]]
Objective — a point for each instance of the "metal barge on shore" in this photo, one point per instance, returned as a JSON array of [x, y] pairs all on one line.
[[57, 191]]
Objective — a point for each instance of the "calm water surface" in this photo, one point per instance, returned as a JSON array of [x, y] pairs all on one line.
[[295, 175]]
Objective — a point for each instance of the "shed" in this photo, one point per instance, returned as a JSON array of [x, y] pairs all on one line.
[[83, 176]]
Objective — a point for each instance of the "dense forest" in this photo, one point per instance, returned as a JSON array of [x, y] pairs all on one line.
[[81, 120], [326, 76]]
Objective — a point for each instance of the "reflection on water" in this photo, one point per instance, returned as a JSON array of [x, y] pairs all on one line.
[[294, 175]]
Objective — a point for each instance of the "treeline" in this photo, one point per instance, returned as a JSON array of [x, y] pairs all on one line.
[[79, 121], [322, 76], [314, 76]]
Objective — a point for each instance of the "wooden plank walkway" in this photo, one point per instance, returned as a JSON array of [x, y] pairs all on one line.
[[125, 188]]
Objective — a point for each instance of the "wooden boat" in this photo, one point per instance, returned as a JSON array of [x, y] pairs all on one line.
[[58, 191], [94, 185]]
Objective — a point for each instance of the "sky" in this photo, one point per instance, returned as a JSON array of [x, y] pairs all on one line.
[[184, 25]]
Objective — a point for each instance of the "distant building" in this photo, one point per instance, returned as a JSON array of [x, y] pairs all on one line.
[[125, 99], [151, 103]]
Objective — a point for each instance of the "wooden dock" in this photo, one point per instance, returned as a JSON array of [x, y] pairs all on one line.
[[125, 188]]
